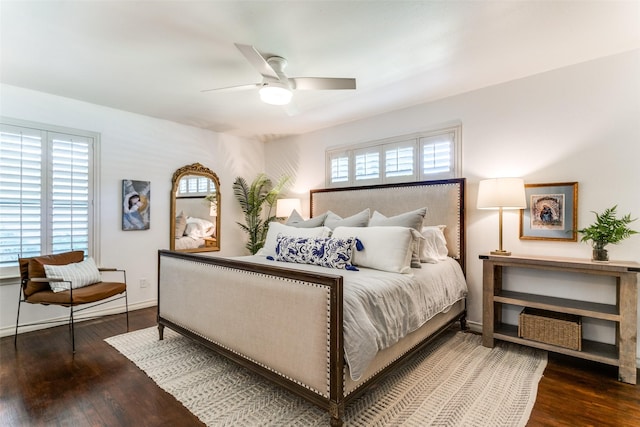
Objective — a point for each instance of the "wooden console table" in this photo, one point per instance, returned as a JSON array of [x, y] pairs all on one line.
[[624, 313]]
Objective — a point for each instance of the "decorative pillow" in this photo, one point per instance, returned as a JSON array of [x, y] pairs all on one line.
[[296, 220], [361, 219], [198, 228], [181, 224], [275, 228], [80, 274], [385, 248], [34, 268], [411, 219], [323, 251], [434, 246]]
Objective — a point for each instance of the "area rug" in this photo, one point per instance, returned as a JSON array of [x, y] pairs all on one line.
[[453, 382]]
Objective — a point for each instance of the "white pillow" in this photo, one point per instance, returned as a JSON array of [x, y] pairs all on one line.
[[361, 219], [275, 228], [434, 246], [385, 248], [411, 219], [198, 228], [80, 274]]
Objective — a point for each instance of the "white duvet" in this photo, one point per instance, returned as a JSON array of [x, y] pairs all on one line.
[[380, 308]]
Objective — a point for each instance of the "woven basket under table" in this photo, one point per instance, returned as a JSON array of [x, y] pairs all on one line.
[[550, 327]]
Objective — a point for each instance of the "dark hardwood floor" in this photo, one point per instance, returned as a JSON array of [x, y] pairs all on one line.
[[43, 384]]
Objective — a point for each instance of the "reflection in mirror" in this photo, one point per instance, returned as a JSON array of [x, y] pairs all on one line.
[[195, 210]]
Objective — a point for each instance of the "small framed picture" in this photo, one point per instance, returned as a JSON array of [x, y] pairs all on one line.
[[136, 200], [551, 212]]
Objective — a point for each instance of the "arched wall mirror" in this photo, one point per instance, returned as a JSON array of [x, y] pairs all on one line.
[[195, 210]]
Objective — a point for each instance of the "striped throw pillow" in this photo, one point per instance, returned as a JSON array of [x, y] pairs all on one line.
[[79, 274]]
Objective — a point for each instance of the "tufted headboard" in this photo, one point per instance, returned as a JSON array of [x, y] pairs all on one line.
[[444, 200]]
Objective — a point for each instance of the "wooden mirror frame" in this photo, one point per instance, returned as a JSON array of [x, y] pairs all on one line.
[[199, 170]]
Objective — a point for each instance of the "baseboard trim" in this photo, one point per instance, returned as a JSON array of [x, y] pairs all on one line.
[[63, 320]]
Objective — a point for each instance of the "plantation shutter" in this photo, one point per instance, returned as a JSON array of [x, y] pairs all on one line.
[[339, 168], [195, 186], [437, 155], [45, 193], [21, 206], [400, 160], [427, 155], [367, 165], [69, 196]]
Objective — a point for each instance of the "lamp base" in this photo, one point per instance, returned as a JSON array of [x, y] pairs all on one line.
[[500, 252]]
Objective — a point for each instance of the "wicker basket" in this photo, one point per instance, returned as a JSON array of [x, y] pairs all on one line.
[[561, 329]]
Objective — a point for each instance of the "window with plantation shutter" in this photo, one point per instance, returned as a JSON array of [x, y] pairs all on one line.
[[338, 168], [437, 154], [195, 186], [427, 155], [46, 192], [367, 165], [399, 161]]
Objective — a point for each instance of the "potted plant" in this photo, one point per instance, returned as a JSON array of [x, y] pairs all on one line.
[[252, 198], [607, 229]]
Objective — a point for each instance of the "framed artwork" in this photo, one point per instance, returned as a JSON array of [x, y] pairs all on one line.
[[136, 200], [551, 212]]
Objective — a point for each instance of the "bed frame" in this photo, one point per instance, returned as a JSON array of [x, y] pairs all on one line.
[[286, 324]]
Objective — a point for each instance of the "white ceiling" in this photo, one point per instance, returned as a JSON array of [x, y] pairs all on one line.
[[155, 57]]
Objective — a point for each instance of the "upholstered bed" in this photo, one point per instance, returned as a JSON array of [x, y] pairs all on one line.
[[301, 325]]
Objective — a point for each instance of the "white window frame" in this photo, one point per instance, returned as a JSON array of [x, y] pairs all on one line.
[[452, 132], [47, 133]]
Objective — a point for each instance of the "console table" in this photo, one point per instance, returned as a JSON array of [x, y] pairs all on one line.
[[624, 313]]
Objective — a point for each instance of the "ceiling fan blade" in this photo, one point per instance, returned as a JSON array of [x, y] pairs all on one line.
[[234, 88], [321, 83], [257, 60]]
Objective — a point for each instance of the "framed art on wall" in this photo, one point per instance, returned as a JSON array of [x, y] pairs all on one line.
[[136, 199], [551, 212]]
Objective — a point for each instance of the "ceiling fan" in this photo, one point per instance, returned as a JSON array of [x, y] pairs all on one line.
[[276, 88]]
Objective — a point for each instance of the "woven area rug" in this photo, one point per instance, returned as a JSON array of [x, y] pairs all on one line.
[[453, 382]]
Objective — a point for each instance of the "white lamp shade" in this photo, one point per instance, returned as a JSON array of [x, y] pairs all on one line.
[[275, 94], [284, 207], [505, 193]]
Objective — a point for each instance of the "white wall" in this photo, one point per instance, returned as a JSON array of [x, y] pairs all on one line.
[[580, 123], [141, 148]]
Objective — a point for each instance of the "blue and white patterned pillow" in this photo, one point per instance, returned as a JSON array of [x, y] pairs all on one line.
[[323, 251]]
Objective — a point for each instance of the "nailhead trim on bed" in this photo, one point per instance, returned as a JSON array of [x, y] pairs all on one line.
[[283, 279]]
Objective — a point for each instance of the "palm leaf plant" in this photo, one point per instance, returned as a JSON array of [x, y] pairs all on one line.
[[607, 229], [253, 199]]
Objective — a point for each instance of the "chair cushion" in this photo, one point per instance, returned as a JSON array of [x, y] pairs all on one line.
[[91, 293], [34, 267]]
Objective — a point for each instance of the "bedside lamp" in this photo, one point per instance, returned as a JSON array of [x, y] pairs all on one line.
[[501, 193], [284, 207]]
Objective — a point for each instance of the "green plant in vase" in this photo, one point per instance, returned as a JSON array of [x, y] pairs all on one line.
[[608, 229], [253, 198]]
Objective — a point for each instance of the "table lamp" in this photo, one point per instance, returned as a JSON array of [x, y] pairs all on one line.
[[501, 193], [284, 207]]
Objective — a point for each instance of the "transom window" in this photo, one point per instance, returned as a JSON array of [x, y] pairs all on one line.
[[423, 156], [195, 186]]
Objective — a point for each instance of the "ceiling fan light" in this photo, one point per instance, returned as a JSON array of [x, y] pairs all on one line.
[[275, 95]]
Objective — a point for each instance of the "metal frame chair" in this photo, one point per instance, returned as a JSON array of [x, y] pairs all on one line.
[[36, 290]]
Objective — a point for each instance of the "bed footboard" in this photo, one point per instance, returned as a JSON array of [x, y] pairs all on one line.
[[240, 310]]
